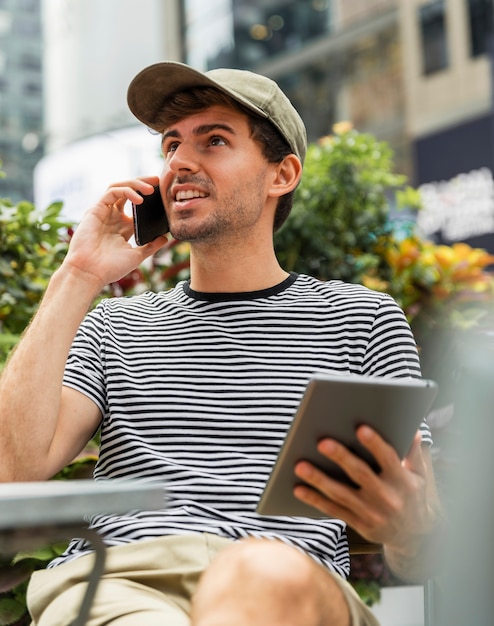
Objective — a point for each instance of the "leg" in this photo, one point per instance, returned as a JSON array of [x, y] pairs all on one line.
[[258, 582], [120, 603], [149, 582]]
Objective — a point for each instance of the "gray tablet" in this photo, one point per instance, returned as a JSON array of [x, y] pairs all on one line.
[[334, 406]]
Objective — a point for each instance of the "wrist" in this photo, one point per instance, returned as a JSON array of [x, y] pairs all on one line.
[[77, 283], [75, 287], [419, 557]]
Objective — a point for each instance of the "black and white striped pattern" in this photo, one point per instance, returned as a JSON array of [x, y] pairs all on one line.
[[198, 391]]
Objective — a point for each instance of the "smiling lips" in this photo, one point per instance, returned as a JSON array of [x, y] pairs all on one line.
[[188, 194]]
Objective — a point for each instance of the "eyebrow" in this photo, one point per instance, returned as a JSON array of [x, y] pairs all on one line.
[[204, 129]]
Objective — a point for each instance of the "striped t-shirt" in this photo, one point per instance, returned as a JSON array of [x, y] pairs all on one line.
[[198, 390]]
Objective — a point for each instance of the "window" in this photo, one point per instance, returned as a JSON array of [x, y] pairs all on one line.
[[27, 27], [432, 22], [30, 62], [480, 17], [32, 121], [265, 29], [31, 89], [246, 33], [30, 6]]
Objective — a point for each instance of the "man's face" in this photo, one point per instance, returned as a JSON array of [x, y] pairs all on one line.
[[215, 181]]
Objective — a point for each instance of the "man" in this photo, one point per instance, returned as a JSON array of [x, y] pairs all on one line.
[[196, 387]]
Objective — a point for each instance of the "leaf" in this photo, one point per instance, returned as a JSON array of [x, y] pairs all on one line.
[[44, 555], [13, 575], [10, 611], [32, 245], [369, 591]]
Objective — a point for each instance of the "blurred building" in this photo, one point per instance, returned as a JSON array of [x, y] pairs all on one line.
[[448, 80], [416, 73], [92, 50], [337, 60], [21, 97]]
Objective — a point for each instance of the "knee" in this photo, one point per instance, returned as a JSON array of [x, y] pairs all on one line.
[[268, 563], [260, 581]]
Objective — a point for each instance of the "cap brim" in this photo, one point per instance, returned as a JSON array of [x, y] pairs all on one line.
[[151, 88]]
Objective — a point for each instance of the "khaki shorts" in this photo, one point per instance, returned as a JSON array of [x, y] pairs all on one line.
[[147, 582]]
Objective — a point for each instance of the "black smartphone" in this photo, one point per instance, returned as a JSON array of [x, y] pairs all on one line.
[[149, 218]]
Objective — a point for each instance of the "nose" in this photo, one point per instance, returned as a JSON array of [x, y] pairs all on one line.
[[183, 158]]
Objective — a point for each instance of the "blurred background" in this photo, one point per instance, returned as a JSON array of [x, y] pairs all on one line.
[[415, 73]]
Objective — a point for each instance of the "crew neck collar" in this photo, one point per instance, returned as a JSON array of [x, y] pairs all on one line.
[[240, 295]]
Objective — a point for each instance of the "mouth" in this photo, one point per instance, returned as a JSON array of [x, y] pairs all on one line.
[[189, 194]]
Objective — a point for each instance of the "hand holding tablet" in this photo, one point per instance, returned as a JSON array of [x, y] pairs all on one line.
[[334, 406]]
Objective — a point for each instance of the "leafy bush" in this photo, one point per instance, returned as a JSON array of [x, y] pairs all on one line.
[[341, 227], [14, 577], [340, 217], [32, 245]]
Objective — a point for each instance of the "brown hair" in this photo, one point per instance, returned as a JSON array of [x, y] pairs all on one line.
[[273, 145]]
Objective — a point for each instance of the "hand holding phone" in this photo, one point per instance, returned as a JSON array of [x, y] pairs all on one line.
[[149, 218]]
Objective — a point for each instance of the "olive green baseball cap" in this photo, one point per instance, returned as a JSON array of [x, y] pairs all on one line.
[[149, 90]]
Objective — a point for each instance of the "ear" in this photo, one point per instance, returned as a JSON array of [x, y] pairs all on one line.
[[287, 176]]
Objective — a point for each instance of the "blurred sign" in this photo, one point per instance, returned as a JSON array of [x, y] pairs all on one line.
[[460, 209]]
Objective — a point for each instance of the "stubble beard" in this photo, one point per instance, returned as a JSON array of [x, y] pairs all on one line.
[[230, 221]]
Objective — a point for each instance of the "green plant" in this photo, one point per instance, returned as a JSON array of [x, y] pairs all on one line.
[[446, 292], [32, 244], [14, 576], [437, 285], [341, 228], [340, 215], [368, 575]]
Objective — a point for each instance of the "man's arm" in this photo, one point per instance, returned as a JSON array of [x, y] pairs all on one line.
[[398, 508], [43, 425], [31, 388]]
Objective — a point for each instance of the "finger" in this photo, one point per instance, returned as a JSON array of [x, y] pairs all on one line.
[[118, 196], [317, 490], [367, 509], [340, 501], [314, 499], [143, 183], [377, 493], [326, 491], [385, 455], [118, 193], [414, 461], [358, 470], [153, 246]]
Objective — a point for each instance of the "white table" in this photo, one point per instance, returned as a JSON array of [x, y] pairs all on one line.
[[33, 514]]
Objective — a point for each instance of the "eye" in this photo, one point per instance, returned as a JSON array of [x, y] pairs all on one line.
[[170, 146], [216, 140]]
